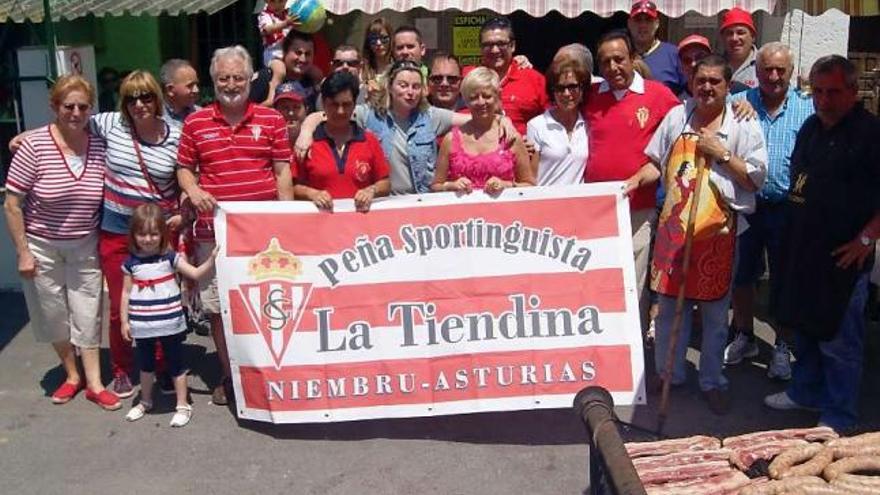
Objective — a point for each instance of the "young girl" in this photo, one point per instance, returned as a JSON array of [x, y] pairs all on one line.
[[151, 310]]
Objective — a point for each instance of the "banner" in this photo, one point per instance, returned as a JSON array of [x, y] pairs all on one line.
[[429, 305]]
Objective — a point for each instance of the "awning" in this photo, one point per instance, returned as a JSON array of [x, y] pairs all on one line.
[[850, 7], [21, 10], [540, 8]]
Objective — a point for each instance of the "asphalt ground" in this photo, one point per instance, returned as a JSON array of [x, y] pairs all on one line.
[[77, 448]]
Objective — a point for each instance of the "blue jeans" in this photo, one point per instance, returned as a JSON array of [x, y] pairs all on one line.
[[714, 315], [764, 233], [827, 375]]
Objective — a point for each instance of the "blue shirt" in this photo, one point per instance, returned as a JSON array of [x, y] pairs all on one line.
[[665, 66], [780, 133]]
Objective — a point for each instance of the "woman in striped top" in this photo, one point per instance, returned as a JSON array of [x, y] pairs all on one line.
[[54, 195], [151, 309], [141, 161]]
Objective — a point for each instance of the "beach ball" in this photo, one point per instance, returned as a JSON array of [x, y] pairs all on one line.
[[311, 14]]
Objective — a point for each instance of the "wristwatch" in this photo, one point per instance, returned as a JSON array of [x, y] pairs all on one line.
[[725, 157]]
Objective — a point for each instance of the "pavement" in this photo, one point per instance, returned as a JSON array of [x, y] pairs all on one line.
[[77, 448]]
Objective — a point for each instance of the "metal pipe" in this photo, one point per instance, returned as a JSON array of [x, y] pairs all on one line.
[[49, 28], [595, 407]]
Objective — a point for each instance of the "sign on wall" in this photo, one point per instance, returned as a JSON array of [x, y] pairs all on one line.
[[466, 38], [429, 305]]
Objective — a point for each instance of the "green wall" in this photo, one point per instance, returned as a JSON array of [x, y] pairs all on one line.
[[124, 43]]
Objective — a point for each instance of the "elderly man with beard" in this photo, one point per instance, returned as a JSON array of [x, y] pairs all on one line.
[[782, 110], [704, 131], [231, 135]]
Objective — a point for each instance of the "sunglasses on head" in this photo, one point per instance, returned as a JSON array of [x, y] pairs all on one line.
[[405, 65], [144, 98]]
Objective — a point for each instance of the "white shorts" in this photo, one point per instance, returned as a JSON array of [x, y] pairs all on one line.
[[64, 298]]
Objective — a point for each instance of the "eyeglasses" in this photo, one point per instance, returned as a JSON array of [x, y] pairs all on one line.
[[144, 98], [378, 39], [82, 107], [439, 78], [337, 63], [237, 78], [571, 88], [501, 45]]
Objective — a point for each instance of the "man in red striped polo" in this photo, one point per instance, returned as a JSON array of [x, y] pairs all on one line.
[[232, 150]]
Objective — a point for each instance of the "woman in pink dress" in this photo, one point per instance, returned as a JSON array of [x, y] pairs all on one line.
[[481, 154]]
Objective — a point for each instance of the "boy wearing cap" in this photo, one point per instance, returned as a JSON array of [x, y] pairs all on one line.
[[738, 32], [661, 57], [290, 102]]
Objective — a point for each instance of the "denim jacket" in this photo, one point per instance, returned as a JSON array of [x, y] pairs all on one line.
[[421, 150]]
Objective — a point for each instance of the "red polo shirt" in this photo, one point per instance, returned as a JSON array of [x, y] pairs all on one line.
[[523, 95], [234, 163], [620, 132], [361, 164]]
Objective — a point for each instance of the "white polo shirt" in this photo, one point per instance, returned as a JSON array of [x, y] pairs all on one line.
[[563, 160]]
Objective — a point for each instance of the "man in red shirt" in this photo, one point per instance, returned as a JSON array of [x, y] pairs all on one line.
[[231, 135], [523, 92], [622, 113], [344, 161]]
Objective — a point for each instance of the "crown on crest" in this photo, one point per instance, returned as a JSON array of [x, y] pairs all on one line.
[[274, 262]]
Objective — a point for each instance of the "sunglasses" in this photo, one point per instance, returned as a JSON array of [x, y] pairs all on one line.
[[337, 63], [378, 39], [82, 107], [571, 88], [439, 78], [144, 98]]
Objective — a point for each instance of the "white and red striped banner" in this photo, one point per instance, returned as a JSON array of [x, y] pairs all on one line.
[[429, 305], [568, 8]]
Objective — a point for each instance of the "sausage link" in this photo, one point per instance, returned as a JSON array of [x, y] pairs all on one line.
[[813, 467], [851, 464], [795, 455]]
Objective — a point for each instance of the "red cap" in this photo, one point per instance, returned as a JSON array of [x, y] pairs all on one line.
[[737, 16], [646, 7], [695, 39]]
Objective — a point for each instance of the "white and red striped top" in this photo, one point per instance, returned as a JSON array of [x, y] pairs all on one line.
[[234, 163], [58, 203]]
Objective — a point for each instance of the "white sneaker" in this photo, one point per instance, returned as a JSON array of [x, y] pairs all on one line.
[[780, 363], [181, 416], [137, 412], [739, 349], [782, 402]]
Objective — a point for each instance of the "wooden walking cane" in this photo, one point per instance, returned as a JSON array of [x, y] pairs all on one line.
[[679, 300]]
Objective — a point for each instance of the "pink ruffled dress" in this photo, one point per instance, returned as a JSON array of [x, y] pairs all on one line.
[[481, 166]]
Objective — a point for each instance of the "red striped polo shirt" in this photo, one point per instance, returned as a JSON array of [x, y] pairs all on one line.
[[235, 163], [58, 204]]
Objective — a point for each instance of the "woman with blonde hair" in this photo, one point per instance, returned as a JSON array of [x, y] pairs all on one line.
[[141, 163], [480, 154], [52, 207]]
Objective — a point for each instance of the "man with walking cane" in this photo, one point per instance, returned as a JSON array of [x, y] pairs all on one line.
[[711, 166]]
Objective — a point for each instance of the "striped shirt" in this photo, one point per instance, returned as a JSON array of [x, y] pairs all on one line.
[[234, 163], [154, 307], [58, 203], [780, 133], [125, 185]]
